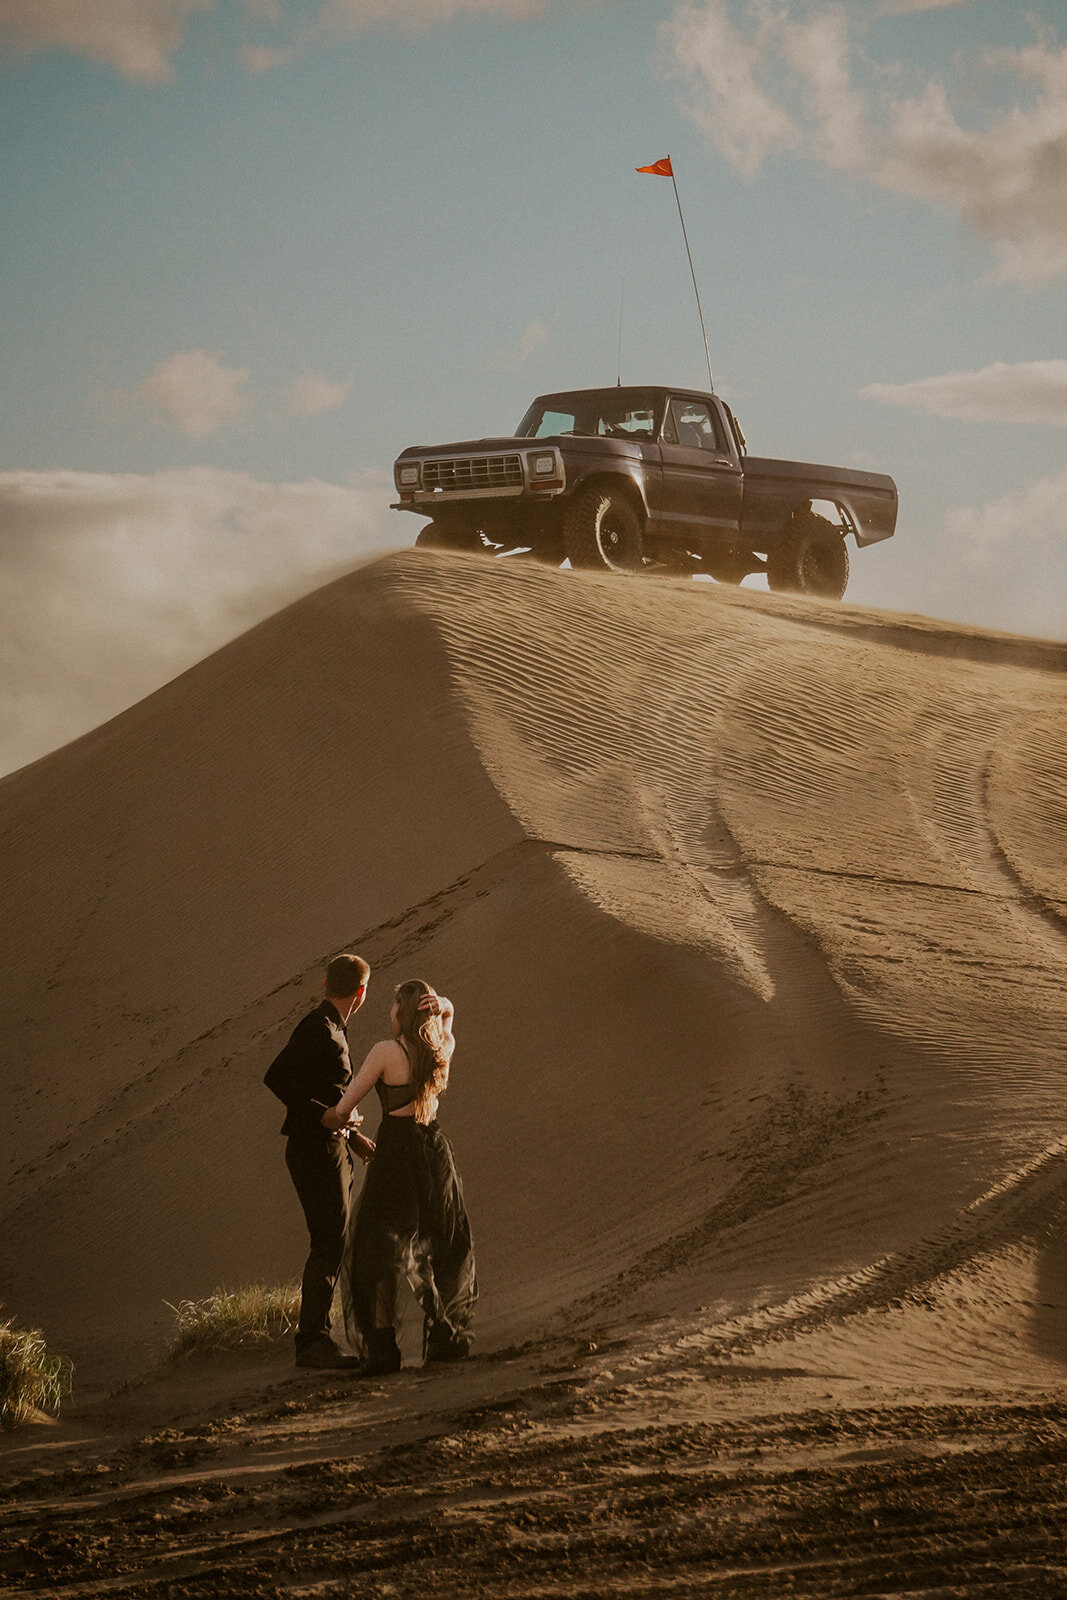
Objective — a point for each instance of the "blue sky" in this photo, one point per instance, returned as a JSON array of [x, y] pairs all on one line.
[[264, 245]]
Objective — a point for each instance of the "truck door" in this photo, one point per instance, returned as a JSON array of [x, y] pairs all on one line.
[[701, 488]]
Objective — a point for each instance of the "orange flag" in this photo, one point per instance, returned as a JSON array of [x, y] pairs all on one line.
[[661, 168]]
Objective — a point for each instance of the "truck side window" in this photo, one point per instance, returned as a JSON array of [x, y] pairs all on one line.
[[691, 423]]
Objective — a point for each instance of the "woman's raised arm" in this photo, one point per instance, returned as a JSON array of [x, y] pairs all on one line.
[[441, 1007]]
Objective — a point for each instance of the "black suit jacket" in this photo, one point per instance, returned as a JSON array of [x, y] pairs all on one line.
[[313, 1070]]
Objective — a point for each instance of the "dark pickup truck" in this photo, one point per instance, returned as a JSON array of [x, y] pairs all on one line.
[[636, 478]]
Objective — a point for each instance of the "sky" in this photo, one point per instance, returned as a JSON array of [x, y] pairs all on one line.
[[253, 248]]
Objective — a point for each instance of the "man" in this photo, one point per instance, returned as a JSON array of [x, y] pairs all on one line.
[[309, 1076]]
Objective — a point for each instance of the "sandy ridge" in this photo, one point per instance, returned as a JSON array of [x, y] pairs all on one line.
[[806, 860]]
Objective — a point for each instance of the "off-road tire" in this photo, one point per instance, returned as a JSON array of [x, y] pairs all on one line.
[[449, 536], [811, 558], [601, 530]]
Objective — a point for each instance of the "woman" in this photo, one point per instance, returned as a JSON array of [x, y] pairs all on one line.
[[411, 1224]]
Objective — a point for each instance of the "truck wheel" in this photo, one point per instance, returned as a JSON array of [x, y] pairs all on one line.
[[811, 558], [449, 536], [601, 530]]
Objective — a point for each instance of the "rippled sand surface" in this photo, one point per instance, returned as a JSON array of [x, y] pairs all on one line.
[[754, 912]]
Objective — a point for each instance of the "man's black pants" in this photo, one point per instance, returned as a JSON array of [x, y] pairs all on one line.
[[321, 1169]]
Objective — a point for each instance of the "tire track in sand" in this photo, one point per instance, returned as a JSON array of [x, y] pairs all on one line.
[[1025, 1203]]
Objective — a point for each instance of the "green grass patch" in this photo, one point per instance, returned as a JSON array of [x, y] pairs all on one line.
[[235, 1319], [31, 1379]]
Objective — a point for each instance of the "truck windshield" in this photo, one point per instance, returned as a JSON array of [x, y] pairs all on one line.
[[612, 413]]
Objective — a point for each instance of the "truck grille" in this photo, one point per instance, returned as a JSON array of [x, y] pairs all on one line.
[[473, 472]]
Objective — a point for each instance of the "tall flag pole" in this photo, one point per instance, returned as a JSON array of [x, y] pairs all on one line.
[[664, 169]]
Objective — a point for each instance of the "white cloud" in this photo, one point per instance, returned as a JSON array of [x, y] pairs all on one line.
[[257, 58], [511, 357], [743, 121], [1021, 391], [896, 8], [319, 22], [1008, 179], [1032, 518], [818, 51], [311, 394], [1026, 519], [1005, 562], [763, 79], [353, 16], [111, 585], [533, 338], [137, 38], [196, 390], [999, 564]]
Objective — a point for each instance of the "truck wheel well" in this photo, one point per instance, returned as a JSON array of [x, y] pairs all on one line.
[[615, 483], [831, 511]]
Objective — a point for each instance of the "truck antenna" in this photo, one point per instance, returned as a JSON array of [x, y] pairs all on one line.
[[664, 168]]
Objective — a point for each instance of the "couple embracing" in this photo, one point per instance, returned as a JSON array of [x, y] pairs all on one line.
[[410, 1224]]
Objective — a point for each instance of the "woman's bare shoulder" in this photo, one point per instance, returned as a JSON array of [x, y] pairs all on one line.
[[392, 1057], [387, 1048], [380, 1054]]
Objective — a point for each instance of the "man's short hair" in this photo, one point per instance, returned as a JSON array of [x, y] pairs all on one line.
[[346, 974]]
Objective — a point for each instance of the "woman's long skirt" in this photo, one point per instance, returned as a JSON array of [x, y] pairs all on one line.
[[410, 1226]]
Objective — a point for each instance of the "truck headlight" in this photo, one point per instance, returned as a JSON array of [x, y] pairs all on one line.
[[408, 477], [543, 466]]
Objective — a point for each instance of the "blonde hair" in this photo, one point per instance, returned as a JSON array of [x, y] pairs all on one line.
[[424, 1035]]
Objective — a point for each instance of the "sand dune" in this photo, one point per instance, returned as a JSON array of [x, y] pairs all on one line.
[[755, 916]]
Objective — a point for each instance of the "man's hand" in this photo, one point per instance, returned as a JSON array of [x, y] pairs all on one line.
[[363, 1147]]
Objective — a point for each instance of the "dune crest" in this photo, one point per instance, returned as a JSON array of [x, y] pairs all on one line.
[[753, 911]]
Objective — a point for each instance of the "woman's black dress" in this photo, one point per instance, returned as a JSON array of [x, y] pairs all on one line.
[[410, 1226]]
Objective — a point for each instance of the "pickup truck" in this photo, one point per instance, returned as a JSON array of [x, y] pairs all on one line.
[[628, 479]]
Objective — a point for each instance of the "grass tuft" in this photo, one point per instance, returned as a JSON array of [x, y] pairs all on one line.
[[31, 1380], [235, 1319]]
